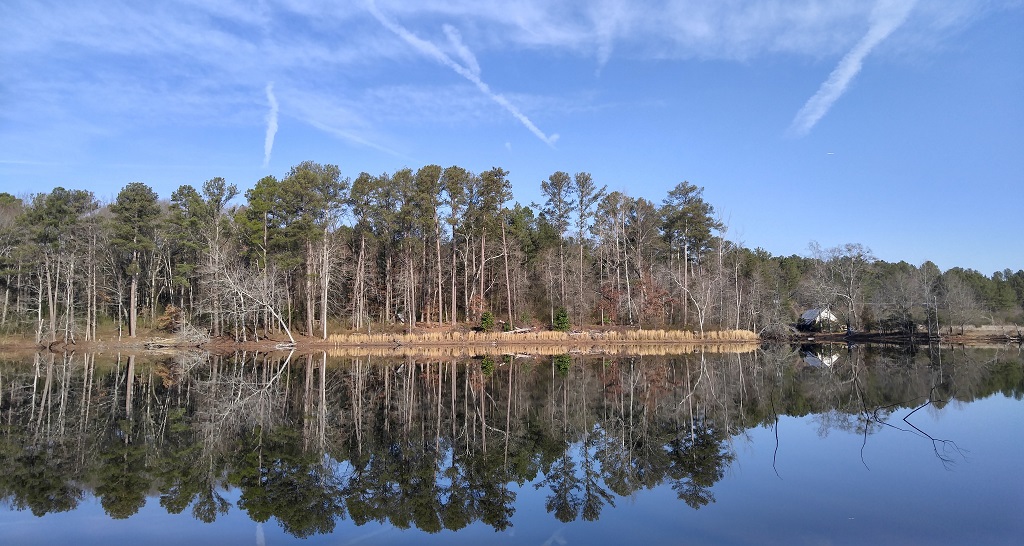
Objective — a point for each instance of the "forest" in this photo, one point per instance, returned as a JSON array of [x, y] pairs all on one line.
[[315, 252]]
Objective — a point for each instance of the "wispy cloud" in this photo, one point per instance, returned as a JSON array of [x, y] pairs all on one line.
[[467, 57], [88, 71], [886, 17], [268, 141], [608, 17], [336, 116], [471, 72]]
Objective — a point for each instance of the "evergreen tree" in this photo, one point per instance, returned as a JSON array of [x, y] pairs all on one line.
[[136, 215]]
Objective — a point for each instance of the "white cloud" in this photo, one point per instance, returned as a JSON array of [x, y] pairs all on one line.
[[430, 50], [887, 16], [465, 55], [334, 116], [608, 18], [119, 67], [268, 141]]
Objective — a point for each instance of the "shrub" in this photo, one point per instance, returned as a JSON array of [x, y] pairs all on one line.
[[487, 321], [170, 320], [561, 322]]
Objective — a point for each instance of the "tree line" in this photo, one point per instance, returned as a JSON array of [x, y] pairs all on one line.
[[314, 251]]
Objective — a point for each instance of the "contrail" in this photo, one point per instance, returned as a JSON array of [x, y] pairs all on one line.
[[268, 143], [471, 73], [467, 57], [886, 17]]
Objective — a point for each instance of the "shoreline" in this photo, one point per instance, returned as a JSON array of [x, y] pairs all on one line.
[[455, 342], [383, 343]]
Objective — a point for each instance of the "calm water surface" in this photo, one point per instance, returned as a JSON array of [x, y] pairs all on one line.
[[779, 446]]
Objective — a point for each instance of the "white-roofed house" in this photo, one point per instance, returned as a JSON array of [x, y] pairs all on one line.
[[819, 320]]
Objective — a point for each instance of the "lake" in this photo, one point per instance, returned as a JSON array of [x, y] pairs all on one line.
[[781, 445]]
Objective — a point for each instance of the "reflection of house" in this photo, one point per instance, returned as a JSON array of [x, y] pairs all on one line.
[[818, 360], [819, 356], [817, 319]]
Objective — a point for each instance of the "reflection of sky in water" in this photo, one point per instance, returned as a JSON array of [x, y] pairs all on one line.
[[900, 493], [819, 490]]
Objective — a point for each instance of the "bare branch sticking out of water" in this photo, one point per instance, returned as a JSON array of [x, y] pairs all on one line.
[[946, 451]]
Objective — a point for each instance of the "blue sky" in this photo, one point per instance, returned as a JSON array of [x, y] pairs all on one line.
[[897, 124]]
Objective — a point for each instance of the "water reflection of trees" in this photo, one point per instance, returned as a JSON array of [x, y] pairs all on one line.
[[308, 440]]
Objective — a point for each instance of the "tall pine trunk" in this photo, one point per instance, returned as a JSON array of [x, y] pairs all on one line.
[[310, 283], [440, 280], [325, 281], [133, 311], [454, 317], [508, 283]]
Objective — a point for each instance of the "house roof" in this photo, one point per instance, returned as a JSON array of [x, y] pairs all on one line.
[[815, 315]]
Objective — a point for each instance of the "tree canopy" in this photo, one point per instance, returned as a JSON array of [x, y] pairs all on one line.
[[315, 251]]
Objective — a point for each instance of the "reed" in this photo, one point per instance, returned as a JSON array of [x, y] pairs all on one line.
[[541, 337]]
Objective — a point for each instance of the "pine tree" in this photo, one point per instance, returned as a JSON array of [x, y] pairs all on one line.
[[136, 214]]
